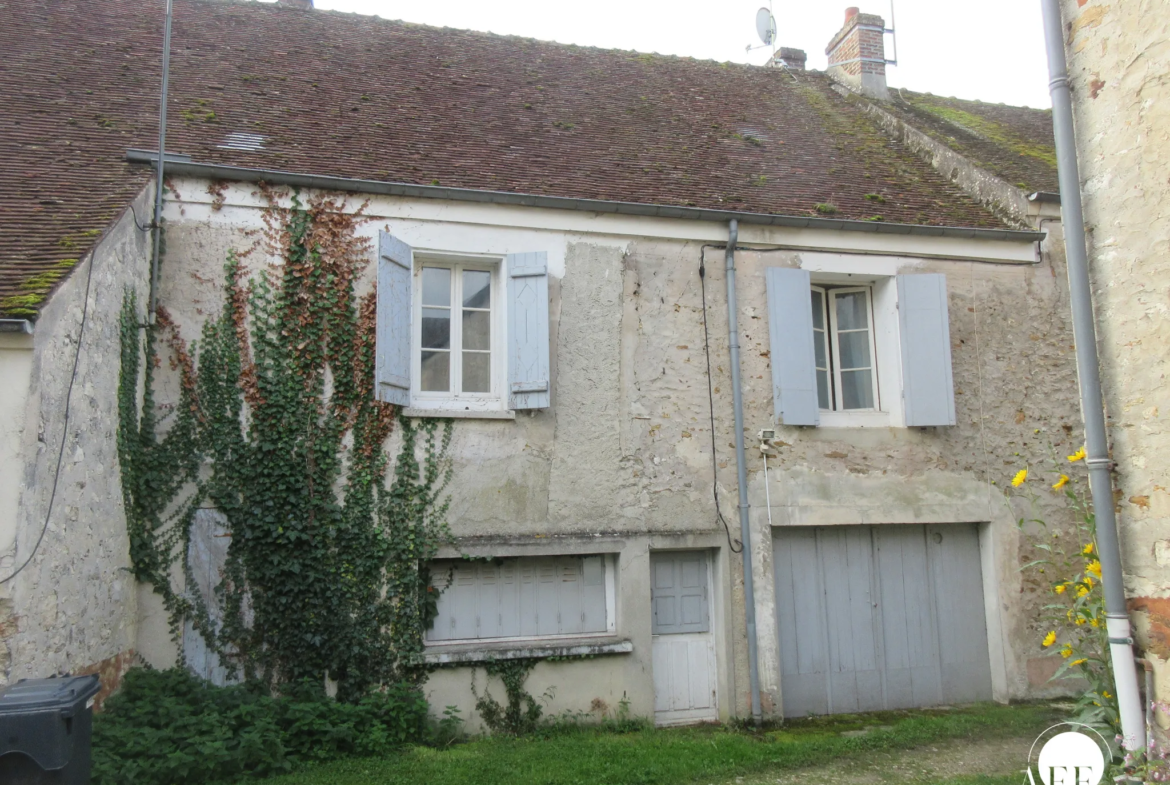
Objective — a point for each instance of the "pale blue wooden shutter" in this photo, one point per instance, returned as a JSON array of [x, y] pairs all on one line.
[[790, 331], [394, 289], [528, 374], [928, 388]]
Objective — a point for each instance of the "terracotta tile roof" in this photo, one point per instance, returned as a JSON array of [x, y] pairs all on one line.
[[1014, 142], [354, 96]]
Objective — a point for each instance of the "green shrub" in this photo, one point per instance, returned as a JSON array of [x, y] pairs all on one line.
[[171, 728]]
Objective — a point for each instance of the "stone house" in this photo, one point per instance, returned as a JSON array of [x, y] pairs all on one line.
[[1118, 59], [548, 234]]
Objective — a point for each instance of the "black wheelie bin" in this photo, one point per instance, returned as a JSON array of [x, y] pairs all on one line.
[[45, 728]]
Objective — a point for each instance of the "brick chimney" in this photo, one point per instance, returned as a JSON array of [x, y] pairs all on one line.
[[857, 54], [792, 59]]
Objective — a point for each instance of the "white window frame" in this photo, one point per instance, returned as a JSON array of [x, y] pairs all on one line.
[[494, 401], [879, 273], [609, 562], [826, 347], [835, 344], [828, 294]]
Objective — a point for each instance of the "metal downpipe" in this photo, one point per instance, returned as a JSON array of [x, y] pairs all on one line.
[[749, 595], [1092, 408], [162, 148]]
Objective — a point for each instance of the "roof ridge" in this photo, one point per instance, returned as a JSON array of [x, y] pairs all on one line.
[[511, 37]]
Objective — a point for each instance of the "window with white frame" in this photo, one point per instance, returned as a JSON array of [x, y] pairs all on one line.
[[522, 598], [844, 347], [856, 343], [457, 328], [461, 335]]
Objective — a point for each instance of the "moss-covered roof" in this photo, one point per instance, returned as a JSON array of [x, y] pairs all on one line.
[[269, 86], [1013, 142]]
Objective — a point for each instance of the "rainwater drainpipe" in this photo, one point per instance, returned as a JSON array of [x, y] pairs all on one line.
[[749, 595], [1092, 409], [162, 154]]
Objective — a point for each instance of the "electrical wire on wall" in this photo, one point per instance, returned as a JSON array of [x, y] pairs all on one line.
[[736, 546], [156, 225], [64, 426]]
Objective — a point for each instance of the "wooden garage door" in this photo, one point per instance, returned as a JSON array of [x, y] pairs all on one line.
[[879, 617]]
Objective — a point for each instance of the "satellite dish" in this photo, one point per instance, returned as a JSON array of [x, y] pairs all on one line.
[[766, 26]]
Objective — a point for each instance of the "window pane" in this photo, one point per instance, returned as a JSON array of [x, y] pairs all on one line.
[[854, 349], [819, 348], [477, 330], [436, 286], [851, 311], [477, 289], [477, 372], [436, 328], [436, 372], [823, 390], [857, 389], [818, 311]]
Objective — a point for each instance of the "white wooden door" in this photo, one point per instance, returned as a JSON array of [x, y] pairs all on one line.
[[683, 646]]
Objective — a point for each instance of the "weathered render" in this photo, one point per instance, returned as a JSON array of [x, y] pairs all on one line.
[[74, 607], [619, 172], [1119, 65], [621, 463]]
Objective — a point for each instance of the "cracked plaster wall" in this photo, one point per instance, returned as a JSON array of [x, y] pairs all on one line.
[[621, 462], [1119, 66], [74, 607]]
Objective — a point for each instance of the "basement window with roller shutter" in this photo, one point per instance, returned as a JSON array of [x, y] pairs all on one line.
[[461, 334], [523, 598], [856, 350]]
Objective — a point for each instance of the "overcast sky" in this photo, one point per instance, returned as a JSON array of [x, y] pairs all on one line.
[[991, 51]]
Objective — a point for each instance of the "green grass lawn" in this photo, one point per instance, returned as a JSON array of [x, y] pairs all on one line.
[[578, 756]]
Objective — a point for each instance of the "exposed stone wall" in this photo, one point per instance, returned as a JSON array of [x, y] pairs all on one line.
[[621, 463], [1119, 64], [73, 608]]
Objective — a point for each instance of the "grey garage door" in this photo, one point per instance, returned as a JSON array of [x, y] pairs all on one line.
[[879, 617]]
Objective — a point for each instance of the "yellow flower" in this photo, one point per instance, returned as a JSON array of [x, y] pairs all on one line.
[[1080, 621], [1060, 587], [1089, 581], [1049, 639], [1068, 614], [1063, 481], [1066, 651], [1079, 455], [1081, 661], [1105, 694], [1088, 549], [1094, 568], [1081, 592], [1094, 623], [1018, 480]]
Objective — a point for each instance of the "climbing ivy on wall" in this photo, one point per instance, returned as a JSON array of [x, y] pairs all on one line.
[[277, 427]]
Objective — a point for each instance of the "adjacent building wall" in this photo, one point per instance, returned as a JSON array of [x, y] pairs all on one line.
[[621, 463], [1119, 64], [73, 608]]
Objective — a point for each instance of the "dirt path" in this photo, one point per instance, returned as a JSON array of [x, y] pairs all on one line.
[[931, 764]]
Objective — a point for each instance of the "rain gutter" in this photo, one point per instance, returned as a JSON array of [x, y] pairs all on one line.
[[16, 326], [182, 165], [1129, 702], [745, 532]]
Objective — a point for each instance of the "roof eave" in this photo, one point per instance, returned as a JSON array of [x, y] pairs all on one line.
[[177, 164]]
